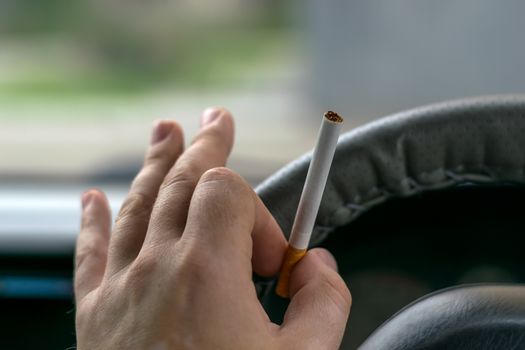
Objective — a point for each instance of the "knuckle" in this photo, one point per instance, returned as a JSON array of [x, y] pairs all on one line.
[[148, 175], [220, 174], [81, 257], [338, 294], [223, 185], [94, 249], [214, 136], [193, 266], [143, 268], [88, 220], [166, 268], [186, 172], [137, 205], [160, 157], [212, 132]]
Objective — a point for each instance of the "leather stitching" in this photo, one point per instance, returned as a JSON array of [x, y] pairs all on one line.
[[452, 177]]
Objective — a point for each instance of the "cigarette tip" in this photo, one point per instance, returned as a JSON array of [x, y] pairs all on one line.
[[333, 117]]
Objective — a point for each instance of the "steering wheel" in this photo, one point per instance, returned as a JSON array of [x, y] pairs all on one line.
[[416, 202]]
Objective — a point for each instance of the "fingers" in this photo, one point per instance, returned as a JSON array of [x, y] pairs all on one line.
[[228, 220], [320, 303], [269, 244], [209, 149], [92, 243], [133, 219]]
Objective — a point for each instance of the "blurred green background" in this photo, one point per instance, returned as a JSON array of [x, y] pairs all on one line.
[[104, 47], [82, 82]]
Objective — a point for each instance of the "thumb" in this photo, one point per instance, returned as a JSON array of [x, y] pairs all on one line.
[[320, 303]]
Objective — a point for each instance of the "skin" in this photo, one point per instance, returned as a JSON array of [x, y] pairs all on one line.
[[175, 270]]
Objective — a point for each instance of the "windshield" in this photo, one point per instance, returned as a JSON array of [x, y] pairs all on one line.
[[82, 82]]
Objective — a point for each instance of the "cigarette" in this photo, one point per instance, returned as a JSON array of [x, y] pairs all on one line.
[[310, 198]]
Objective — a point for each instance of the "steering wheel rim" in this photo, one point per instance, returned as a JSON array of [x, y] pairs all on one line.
[[476, 140]]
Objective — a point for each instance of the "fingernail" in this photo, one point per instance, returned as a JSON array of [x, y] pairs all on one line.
[[161, 130], [86, 199], [327, 258], [210, 115]]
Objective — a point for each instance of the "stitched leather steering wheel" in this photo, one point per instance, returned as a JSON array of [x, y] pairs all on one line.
[[419, 201]]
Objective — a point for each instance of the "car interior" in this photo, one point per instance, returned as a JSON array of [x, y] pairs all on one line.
[[422, 209], [422, 212]]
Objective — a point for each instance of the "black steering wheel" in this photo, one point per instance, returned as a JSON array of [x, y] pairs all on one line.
[[416, 202]]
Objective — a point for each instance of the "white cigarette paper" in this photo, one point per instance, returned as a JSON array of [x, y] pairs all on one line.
[[310, 198], [315, 180]]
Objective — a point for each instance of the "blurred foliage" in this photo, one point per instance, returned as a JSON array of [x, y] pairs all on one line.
[[34, 16], [123, 46]]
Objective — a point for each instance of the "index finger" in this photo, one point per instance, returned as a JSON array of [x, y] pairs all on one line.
[[209, 149], [228, 218]]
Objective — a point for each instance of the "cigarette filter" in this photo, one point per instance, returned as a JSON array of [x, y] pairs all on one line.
[[310, 198]]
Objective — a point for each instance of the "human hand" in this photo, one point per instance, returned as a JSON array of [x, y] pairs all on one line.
[[176, 271]]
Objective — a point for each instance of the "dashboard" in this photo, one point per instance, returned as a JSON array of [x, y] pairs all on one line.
[[38, 228]]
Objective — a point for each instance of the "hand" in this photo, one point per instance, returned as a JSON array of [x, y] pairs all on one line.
[[176, 271]]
